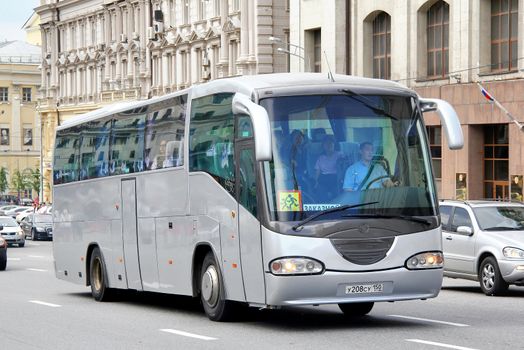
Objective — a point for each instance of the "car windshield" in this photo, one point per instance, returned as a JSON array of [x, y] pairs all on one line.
[[8, 222], [43, 219], [500, 218], [346, 149]]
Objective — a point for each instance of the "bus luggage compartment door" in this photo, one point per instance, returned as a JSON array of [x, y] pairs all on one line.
[[130, 234]]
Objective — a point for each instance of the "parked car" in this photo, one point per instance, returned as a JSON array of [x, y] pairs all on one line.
[[26, 201], [11, 231], [484, 241], [14, 212], [3, 254], [21, 215], [38, 226], [5, 208]]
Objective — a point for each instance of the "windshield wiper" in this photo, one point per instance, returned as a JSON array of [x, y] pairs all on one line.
[[328, 211], [382, 216], [368, 103], [503, 228]]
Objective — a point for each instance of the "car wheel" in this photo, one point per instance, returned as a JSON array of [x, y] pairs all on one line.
[[212, 291], [3, 262], [98, 277], [356, 309], [33, 235], [21, 245], [491, 281]]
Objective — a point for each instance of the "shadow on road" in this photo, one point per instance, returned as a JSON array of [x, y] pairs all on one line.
[[512, 292]]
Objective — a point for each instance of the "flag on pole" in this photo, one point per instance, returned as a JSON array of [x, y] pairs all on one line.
[[486, 94]]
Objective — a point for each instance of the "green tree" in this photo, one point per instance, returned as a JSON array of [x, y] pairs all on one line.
[[3, 180], [18, 182], [32, 179]]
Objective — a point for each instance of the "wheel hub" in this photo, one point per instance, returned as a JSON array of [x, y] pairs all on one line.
[[488, 276], [210, 286], [97, 274]]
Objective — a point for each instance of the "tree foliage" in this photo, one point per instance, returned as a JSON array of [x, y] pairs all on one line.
[[32, 179], [3, 180]]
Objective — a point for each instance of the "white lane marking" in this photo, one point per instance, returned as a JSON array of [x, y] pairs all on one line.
[[44, 303], [186, 334], [37, 270], [13, 259], [449, 346], [432, 321]]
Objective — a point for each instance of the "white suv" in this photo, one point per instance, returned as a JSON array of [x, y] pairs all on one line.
[[484, 241]]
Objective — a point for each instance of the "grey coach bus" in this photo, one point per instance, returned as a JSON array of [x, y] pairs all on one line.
[[269, 190]]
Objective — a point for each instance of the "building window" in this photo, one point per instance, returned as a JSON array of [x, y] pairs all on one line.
[[504, 35], [438, 39], [317, 50], [382, 46], [435, 146], [4, 137], [3, 94], [496, 161], [26, 94]]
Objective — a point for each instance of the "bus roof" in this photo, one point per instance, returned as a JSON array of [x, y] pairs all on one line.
[[246, 84]]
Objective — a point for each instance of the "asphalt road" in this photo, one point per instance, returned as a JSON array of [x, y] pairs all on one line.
[[38, 311]]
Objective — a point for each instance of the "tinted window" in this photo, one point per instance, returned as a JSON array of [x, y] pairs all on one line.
[[460, 218], [66, 156], [94, 150], [165, 134], [127, 143], [445, 213], [212, 138]]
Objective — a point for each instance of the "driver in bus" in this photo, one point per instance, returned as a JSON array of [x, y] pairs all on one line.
[[361, 175]]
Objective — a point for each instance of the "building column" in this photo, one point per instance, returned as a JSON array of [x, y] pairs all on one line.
[[224, 49], [244, 30], [165, 71]]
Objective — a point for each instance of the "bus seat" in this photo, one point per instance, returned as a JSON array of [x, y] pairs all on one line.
[[350, 150]]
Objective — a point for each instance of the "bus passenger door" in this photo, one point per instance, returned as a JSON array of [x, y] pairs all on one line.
[[248, 225], [130, 234]]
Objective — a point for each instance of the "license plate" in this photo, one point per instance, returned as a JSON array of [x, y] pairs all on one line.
[[365, 288]]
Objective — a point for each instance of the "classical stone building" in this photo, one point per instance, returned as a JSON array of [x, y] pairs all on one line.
[[441, 49], [98, 52], [19, 120]]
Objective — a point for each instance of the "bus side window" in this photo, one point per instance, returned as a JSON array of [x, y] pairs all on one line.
[[212, 140]]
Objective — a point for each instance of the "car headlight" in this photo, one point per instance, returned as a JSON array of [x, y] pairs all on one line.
[[426, 260], [296, 266], [513, 253]]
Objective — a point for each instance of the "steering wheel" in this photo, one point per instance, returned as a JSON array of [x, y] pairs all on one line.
[[390, 177]]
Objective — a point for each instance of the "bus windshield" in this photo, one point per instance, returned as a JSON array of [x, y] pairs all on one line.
[[346, 149]]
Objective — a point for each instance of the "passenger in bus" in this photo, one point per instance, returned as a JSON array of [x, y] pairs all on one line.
[[326, 177], [366, 174], [295, 154]]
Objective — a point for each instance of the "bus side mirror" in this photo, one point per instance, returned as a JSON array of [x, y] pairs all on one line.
[[449, 119], [260, 121]]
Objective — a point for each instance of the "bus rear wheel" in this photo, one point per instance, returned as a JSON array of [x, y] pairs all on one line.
[[356, 309], [98, 277], [212, 291]]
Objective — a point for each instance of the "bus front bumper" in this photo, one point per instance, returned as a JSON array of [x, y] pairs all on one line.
[[352, 287]]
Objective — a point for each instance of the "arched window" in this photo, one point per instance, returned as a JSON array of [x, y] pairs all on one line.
[[438, 39], [504, 35], [382, 46]]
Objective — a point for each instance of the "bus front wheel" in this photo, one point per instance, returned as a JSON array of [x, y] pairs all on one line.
[[212, 291], [356, 309], [98, 277]]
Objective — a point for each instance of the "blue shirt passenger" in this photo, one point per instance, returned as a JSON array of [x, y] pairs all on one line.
[[358, 172]]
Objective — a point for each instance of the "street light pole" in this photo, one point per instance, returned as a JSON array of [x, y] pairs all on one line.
[[293, 50]]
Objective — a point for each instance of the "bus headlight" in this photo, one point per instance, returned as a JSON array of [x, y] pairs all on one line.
[[296, 266], [426, 260], [513, 253]]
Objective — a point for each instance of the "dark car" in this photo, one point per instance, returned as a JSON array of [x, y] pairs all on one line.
[[3, 254], [38, 226]]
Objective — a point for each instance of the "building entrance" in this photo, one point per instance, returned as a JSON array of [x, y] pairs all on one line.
[[496, 161]]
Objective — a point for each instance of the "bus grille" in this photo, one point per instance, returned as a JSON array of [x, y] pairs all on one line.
[[363, 251]]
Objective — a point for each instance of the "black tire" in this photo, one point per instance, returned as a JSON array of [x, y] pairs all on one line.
[[21, 245], [212, 291], [3, 261], [490, 278], [33, 235], [356, 309], [98, 278]]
